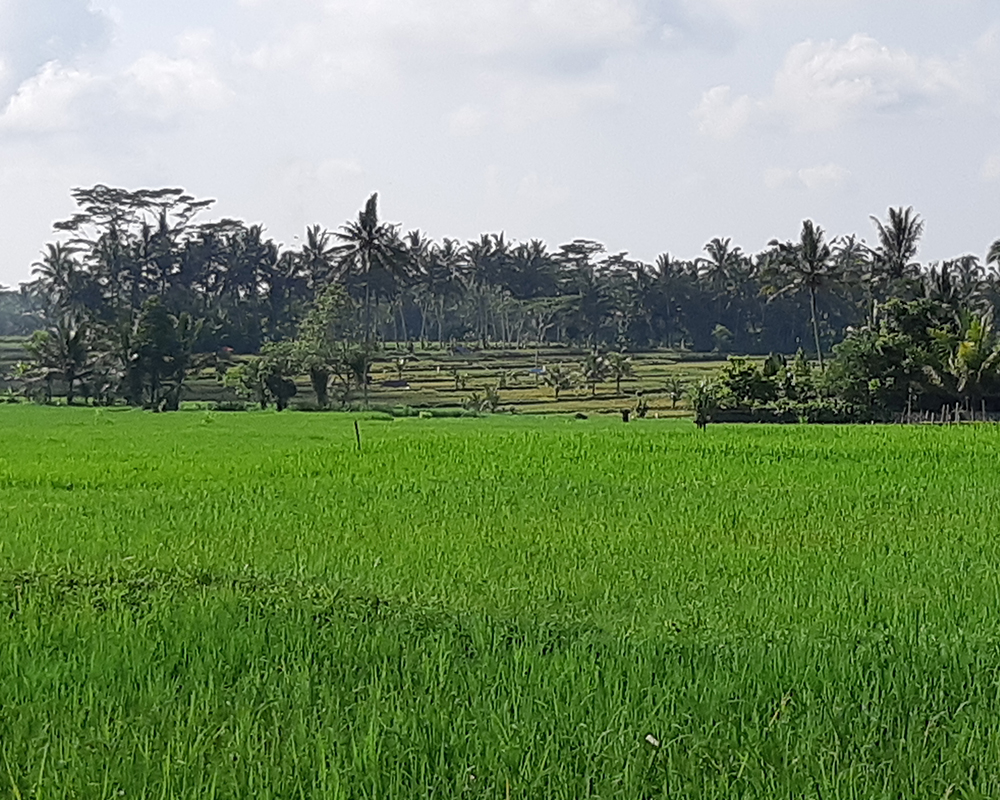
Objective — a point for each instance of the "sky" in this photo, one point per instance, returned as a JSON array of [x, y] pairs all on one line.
[[649, 125]]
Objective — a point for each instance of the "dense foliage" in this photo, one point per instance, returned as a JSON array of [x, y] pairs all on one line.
[[921, 357], [223, 287], [245, 605]]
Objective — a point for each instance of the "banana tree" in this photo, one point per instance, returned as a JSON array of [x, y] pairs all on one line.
[[560, 378]]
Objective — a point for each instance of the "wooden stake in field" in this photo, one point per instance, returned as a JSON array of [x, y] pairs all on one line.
[[357, 434]]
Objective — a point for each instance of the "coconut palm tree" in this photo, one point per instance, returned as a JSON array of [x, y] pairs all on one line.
[[317, 257], [369, 247], [440, 282], [993, 255], [722, 273], [722, 261], [64, 351], [898, 241], [974, 357], [857, 268], [804, 265], [58, 274]]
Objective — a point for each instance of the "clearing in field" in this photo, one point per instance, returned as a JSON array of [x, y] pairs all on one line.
[[241, 605]]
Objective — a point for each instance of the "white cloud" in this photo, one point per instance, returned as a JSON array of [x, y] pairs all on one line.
[[515, 61], [164, 87], [392, 30], [50, 101], [38, 32], [301, 174], [823, 85], [62, 97], [722, 116]]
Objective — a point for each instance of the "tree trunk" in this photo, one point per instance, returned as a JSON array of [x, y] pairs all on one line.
[[368, 309], [815, 325], [402, 320]]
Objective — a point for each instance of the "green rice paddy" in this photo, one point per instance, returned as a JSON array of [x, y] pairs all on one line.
[[245, 605]]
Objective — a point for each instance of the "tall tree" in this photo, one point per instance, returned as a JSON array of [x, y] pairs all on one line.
[[805, 265], [58, 276], [369, 247], [318, 256], [162, 355], [898, 242], [64, 351]]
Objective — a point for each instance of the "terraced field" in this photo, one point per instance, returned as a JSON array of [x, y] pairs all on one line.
[[437, 378]]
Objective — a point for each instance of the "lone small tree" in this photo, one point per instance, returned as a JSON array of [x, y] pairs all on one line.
[[267, 378], [281, 365], [595, 370], [676, 389], [322, 339], [620, 367], [560, 378], [704, 402]]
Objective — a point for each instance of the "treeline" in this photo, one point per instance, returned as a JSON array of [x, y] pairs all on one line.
[[138, 289], [933, 358]]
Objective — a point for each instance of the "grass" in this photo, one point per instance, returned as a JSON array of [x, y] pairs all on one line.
[[226, 605]]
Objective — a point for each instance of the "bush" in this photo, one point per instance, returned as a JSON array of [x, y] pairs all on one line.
[[230, 405]]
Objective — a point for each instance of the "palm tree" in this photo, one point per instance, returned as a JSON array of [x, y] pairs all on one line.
[[993, 256], [620, 367], [441, 281], [58, 274], [64, 351], [807, 264], [532, 271], [857, 267], [368, 247], [285, 283], [486, 275], [317, 255], [976, 355], [667, 295], [724, 272], [899, 238], [722, 259]]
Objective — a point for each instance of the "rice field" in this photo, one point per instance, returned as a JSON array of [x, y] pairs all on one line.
[[235, 605]]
